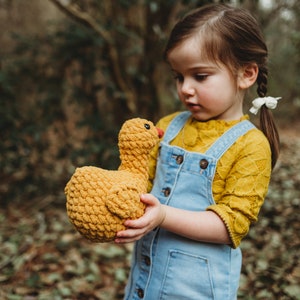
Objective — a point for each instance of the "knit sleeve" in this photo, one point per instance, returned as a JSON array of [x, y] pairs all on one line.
[[245, 186]]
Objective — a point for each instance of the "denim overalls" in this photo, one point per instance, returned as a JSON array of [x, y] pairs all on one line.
[[166, 266]]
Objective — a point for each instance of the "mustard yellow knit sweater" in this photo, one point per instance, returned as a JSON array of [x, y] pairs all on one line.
[[242, 174]]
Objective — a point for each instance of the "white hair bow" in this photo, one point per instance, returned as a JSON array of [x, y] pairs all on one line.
[[270, 102]]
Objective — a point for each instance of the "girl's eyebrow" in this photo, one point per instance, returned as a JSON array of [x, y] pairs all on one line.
[[202, 68]]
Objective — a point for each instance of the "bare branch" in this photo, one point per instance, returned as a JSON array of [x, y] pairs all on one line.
[[74, 12]]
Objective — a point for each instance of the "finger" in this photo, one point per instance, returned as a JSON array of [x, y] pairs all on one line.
[[148, 199], [130, 233], [127, 240], [136, 224], [141, 222], [121, 239]]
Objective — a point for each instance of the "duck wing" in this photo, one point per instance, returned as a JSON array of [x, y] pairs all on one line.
[[124, 200]]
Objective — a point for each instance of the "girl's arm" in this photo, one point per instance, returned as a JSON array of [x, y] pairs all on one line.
[[205, 226]]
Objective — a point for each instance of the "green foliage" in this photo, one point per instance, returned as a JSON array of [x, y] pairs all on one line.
[[62, 107], [66, 90], [62, 96], [33, 85]]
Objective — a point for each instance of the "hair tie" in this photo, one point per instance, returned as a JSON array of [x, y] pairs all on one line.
[[270, 102]]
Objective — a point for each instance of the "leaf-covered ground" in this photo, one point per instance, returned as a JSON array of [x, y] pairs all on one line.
[[42, 257]]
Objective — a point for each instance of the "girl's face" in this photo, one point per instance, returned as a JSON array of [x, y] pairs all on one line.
[[207, 89]]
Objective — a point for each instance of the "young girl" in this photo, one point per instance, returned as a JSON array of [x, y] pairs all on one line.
[[212, 167]]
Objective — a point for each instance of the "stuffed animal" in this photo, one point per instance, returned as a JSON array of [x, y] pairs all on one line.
[[98, 200]]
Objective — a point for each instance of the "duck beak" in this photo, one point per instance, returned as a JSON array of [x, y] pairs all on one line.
[[160, 132]]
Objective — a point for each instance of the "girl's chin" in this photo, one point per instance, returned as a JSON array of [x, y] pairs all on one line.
[[195, 109], [199, 115]]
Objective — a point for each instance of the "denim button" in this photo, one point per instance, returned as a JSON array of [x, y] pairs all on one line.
[[167, 191], [140, 293], [179, 159], [203, 163]]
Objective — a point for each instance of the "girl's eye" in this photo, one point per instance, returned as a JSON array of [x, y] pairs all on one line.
[[197, 77], [201, 77]]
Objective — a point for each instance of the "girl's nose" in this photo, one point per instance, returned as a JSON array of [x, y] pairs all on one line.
[[187, 88]]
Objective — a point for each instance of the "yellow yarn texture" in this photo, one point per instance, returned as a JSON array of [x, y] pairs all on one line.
[[99, 200]]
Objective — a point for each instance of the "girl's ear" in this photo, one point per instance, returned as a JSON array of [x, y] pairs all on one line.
[[247, 76]]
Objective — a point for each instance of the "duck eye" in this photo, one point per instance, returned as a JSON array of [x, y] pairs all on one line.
[[147, 126]]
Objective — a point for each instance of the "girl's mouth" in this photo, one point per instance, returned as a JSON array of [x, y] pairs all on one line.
[[192, 106]]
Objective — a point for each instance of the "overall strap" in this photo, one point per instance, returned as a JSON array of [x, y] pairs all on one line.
[[175, 126], [222, 144]]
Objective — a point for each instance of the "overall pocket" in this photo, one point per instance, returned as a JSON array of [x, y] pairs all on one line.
[[187, 276]]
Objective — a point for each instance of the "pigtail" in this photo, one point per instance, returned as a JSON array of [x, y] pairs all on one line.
[[267, 124]]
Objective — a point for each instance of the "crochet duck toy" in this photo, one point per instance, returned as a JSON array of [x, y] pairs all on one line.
[[98, 200]]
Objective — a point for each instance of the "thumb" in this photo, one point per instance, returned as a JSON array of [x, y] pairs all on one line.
[[148, 199]]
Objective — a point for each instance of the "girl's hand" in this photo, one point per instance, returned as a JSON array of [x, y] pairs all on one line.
[[154, 216]]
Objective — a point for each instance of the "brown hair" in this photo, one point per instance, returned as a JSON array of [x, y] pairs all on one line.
[[232, 36]]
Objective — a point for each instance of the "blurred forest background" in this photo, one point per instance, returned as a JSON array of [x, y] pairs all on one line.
[[71, 72]]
